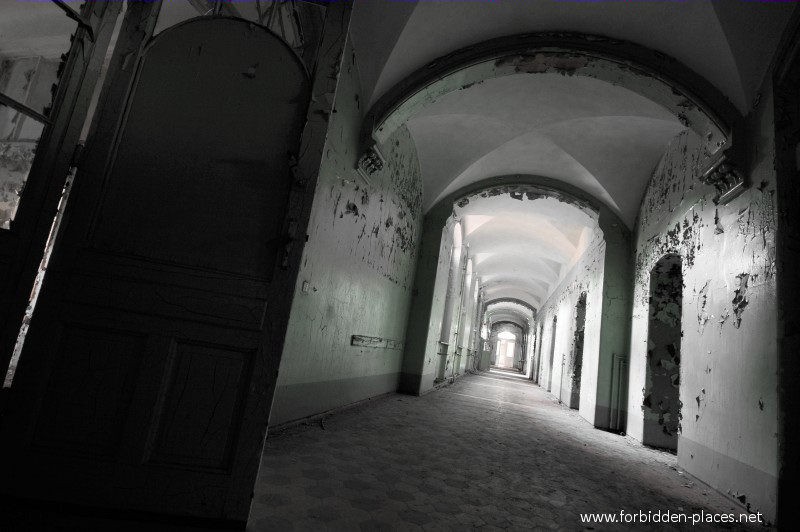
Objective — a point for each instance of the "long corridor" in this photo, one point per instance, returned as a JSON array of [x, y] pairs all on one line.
[[488, 452]]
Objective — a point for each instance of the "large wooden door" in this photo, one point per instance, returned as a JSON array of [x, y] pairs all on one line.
[[147, 375]]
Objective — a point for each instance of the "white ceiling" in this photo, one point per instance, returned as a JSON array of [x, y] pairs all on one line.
[[724, 41], [508, 311], [601, 138], [523, 248], [598, 137]]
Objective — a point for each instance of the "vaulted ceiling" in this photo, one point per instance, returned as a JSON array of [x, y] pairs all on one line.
[[601, 138], [597, 136], [726, 41], [591, 134], [521, 248], [500, 311]]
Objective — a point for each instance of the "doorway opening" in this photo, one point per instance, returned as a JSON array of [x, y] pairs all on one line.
[[552, 353], [505, 350], [661, 403], [576, 360]]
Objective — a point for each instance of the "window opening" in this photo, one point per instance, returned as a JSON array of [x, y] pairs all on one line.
[[29, 71]]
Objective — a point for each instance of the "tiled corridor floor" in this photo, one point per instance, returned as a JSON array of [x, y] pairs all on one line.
[[489, 452]]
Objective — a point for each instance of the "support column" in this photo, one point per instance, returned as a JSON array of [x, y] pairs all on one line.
[[615, 328], [449, 338], [425, 317]]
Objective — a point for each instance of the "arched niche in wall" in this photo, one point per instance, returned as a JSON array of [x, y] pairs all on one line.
[[661, 402]]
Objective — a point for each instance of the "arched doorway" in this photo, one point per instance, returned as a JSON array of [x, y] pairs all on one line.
[[661, 403], [507, 348], [574, 371]]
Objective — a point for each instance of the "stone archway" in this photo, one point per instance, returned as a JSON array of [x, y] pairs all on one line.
[[687, 95], [432, 265]]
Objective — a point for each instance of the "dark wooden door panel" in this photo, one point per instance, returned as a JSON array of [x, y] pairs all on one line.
[[198, 430], [145, 369]]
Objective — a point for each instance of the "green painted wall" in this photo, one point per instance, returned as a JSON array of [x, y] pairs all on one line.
[[357, 269]]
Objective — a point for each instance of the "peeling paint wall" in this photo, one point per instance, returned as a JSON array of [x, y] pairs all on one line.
[[586, 276], [576, 357], [661, 405], [729, 365], [357, 270]]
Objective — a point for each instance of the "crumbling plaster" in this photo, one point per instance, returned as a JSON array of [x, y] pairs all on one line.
[[729, 362], [661, 405], [716, 38], [356, 271], [586, 276]]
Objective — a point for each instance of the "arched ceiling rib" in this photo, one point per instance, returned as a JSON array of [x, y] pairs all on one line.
[[513, 318], [602, 138], [499, 311], [726, 42]]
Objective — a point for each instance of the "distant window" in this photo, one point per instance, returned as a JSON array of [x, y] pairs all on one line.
[[34, 37]]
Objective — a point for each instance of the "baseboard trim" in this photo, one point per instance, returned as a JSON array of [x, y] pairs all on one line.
[[308, 420]]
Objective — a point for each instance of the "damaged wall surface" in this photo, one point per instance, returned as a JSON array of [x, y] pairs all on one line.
[[585, 277], [729, 364], [661, 406], [347, 326]]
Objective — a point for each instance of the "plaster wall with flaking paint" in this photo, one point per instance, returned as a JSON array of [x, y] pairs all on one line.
[[586, 276], [729, 359], [357, 269]]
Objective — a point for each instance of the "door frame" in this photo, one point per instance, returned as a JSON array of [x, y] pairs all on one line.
[[56, 153]]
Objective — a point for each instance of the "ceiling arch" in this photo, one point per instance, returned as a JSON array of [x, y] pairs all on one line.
[[512, 310], [587, 111], [725, 42], [658, 78], [585, 94]]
